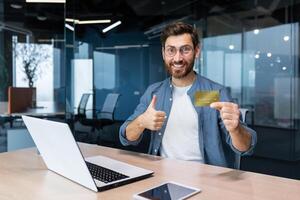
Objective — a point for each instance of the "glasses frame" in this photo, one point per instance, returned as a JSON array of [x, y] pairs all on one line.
[[180, 49]]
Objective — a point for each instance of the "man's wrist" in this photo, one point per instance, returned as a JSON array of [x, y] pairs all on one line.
[[237, 130], [140, 122]]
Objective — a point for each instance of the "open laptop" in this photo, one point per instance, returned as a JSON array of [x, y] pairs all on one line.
[[62, 155]]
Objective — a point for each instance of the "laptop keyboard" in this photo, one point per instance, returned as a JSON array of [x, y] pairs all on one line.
[[103, 174]]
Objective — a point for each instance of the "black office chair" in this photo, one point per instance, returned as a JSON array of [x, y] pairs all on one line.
[[106, 115], [81, 110], [80, 125]]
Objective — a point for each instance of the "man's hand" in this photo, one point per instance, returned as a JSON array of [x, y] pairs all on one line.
[[230, 114], [151, 118]]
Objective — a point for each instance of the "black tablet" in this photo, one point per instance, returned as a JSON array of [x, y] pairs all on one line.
[[167, 191]]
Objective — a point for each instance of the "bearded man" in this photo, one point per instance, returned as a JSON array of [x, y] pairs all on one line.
[[181, 125]]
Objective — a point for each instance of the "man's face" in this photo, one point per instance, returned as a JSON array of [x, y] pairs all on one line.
[[179, 55]]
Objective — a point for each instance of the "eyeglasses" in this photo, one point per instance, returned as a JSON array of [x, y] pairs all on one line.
[[184, 50]]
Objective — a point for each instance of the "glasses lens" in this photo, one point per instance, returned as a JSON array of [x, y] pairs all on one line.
[[171, 51], [185, 49]]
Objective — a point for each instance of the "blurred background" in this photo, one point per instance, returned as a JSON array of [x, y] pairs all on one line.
[[63, 50]]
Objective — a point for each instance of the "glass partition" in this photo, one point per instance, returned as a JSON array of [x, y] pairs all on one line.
[[251, 47], [261, 75], [32, 48]]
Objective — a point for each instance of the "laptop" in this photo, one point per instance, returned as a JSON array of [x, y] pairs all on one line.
[[62, 155]]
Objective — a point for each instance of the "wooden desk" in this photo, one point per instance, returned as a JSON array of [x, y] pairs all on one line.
[[24, 176]]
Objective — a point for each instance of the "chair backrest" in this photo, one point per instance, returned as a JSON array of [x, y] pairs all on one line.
[[82, 104], [109, 105], [243, 113]]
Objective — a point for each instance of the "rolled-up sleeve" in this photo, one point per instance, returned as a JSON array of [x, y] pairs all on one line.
[[226, 97], [252, 144], [140, 109]]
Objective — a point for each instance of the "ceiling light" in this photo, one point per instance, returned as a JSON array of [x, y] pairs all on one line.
[[16, 6], [45, 1], [256, 56], [68, 26], [231, 47], [256, 31], [269, 54], [284, 68], [111, 26], [286, 38], [41, 17], [72, 20], [76, 21], [278, 60], [101, 21]]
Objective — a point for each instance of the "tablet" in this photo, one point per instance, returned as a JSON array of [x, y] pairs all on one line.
[[167, 191]]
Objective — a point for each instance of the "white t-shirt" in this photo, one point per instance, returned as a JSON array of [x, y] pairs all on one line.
[[181, 137]]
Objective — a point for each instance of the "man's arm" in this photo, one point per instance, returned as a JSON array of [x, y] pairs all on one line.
[[230, 114], [241, 139], [151, 119]]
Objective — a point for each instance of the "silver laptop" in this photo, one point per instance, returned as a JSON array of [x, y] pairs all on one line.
[[62, 155]]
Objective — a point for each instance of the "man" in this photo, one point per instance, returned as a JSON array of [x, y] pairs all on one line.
[[180, 128]]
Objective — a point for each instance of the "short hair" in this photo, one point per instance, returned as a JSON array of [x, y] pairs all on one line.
[[179, 28]]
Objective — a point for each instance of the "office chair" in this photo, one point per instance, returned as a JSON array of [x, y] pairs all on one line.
[[80, 118], [243, 112], [81, 110], [104, 117]]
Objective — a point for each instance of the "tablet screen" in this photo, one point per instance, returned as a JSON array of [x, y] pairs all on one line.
[[168, 191]]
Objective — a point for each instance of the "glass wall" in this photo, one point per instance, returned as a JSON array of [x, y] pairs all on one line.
[[250, 46], [32, 47], [261, 75]]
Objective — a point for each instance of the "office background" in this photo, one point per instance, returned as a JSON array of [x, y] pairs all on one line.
[[250, 46]]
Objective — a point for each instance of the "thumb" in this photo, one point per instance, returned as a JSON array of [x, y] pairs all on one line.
[[216, 105], [153, 102]]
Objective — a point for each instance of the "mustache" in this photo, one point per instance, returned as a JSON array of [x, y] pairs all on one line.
[[178, 62]]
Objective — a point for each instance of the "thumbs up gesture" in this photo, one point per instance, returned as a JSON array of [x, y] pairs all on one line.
[[152, 119]]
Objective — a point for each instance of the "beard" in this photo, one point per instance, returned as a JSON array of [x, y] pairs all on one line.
[[181, 72]]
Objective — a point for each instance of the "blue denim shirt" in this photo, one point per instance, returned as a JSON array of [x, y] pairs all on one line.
[[215, 142]]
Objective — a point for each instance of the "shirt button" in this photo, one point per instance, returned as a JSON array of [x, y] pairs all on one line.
[[159, 133], [170, 99], [155, 150], [170, 85]]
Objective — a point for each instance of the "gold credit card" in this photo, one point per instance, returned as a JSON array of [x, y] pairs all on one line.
[[205, 98]]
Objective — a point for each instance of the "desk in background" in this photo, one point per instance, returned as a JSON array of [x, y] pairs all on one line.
[[43, 109], [16, 137], [24, 176]]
